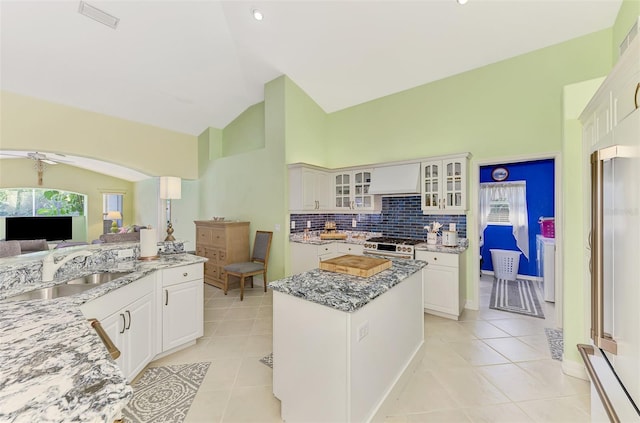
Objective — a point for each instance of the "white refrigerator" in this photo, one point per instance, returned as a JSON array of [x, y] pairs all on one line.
[[613, 135]]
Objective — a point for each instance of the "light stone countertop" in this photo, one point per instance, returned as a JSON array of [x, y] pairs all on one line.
[[353, 237], [54, 366]]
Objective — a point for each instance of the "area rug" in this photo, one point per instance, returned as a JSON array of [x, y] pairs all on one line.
[[267, 360], [164, 394], [556, 343], [515, 297]]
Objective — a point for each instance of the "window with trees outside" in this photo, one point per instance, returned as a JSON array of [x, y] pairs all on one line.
[[41, 202]]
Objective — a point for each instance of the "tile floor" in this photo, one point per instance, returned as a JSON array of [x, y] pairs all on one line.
[[490, 366]]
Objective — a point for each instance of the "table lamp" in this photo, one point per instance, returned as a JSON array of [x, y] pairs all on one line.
[[170, 189], [114, 216]]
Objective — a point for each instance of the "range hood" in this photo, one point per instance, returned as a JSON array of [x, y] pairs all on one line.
[[396, 179]]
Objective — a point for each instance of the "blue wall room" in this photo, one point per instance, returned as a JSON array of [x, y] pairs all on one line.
[[540, 179]]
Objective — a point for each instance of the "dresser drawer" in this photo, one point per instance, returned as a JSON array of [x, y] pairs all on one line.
[[438, 259], [182, 274], [204, 235], [218, 237]]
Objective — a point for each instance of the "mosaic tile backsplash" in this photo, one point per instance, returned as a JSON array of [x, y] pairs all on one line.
[[400, 217]]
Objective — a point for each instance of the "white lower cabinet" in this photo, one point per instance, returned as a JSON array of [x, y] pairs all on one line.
[[355, 249], [182, 306], [443, 281], [128, 316]]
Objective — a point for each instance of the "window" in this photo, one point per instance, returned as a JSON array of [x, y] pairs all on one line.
[[41, 202], [499, 213], [112, 202]]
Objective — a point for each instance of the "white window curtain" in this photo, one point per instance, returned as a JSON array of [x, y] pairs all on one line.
[[514, 194]]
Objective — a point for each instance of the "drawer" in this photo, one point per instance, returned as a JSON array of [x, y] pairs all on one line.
[[327, 249], [440, 259], [218, 237], [204, 236], [181, 274], [355, 249]]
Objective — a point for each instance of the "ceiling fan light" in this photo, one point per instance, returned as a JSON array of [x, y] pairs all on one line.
[[98, 15]]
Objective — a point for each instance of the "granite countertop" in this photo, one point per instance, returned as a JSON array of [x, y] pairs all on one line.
[[462, 246], [54, 366], [345, 292]]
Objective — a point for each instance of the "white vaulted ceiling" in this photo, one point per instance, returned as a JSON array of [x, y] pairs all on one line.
[[188, 65]]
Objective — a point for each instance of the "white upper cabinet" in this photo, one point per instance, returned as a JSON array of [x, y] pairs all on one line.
[[308, 188], [444, 185], [351, 190]]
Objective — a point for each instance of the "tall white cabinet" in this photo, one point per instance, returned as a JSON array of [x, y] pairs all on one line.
[[444, 185]]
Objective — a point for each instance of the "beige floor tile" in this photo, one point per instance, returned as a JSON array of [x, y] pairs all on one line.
[[252, 404], [516, 383], [248, 301], [209, 329], [443, 416], [520, 326], [501, 413], [218, 302], [262, 326], [483, 329], [259, 345], [265, 311], [227, 346], [560, 410], [422, 394], [447, 331], [395, 419], [215, 314], [208, 407], [241, 313], [221, 375], [514, 349], [253, 373], [539, 342], [477, 353], [550, 372], [234, 327], [468, 387], [439, 355]]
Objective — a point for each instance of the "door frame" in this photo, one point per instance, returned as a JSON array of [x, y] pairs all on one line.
[[558, 214]]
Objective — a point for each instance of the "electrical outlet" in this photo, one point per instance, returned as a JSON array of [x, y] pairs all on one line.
[[293, 224], [363, 331], [277, 227], [125, 253], [354, 223], [309, 224]]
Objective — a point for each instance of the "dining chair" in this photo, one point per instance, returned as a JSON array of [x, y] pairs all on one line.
[[257, 265]]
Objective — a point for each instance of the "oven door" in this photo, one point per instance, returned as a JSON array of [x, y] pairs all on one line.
[[390, 254]]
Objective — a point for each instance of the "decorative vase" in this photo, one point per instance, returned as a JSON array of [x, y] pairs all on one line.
[[432, 238]]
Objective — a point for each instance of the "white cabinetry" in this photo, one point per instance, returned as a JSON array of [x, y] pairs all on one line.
[[128, 316], [351, 190], [444, 185], [355, 249], [443, 280], [182, 305], [308, 188]]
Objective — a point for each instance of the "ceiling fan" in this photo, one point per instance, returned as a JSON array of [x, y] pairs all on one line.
[[41, 159]]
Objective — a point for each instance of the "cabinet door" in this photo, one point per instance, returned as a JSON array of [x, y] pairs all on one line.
[[309, 201], [114, 326], [139, 330], [361, 182], [304, 257], [182, 313], [430, 173], [454, 184], [441, 289], [321, 191], [342, 191]]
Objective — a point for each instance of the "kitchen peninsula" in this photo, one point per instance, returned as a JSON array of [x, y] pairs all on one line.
[[341, 342]]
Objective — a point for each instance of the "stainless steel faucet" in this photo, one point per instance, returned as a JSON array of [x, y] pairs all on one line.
[[49, 267]]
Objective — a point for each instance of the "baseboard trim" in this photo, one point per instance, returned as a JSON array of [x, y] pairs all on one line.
[[574, 368]]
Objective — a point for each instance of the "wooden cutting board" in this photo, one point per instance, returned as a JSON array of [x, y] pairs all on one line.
[[334, 235], [362, 266]]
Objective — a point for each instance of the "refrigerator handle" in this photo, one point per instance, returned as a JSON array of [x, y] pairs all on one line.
[[600, 338], [585, 352]]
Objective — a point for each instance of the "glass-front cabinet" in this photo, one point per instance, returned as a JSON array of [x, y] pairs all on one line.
[[351, 190], [444, 185]]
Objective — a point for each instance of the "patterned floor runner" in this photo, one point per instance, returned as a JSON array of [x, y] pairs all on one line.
[[164, 394], [556, 343], [267, 360], [515, 297]]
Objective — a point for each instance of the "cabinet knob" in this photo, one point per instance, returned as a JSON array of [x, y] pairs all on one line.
[[185, 274], [435, 258], [635, 96]]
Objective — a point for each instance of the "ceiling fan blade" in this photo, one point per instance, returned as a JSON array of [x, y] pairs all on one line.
[[49, 162]]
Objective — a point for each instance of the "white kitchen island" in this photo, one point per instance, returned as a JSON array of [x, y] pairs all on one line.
[[341, 343]]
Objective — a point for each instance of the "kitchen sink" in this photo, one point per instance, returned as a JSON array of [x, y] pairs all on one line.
[[96, 278], [72, 287]]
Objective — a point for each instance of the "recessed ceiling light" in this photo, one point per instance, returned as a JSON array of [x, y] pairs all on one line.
[[257, 15], [98, 15], [462, 1]]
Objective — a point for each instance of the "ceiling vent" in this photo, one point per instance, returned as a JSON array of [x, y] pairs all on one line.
[[98, 15], [631, 35]]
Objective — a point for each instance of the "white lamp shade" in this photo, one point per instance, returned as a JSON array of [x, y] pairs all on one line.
[[170, 187], [114, 215]]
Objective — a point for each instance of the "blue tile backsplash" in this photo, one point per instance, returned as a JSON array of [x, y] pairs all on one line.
[[400, 217]]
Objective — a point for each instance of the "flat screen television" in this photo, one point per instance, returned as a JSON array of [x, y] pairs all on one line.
[[51, 228]]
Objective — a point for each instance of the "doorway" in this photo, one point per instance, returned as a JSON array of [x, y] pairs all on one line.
[[544, 200]]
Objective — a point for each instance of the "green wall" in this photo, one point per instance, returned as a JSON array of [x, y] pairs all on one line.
[[627, 16]]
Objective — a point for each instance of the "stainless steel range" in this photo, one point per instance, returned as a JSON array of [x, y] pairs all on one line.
[[391, 247]]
